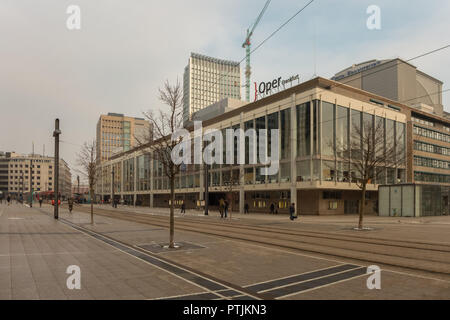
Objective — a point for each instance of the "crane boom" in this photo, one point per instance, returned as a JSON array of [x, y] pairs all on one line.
[[247, 45]]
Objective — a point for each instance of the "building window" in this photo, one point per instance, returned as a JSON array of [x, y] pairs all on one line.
[[332, 205], [285, 133], [328, 136], [303, 130]]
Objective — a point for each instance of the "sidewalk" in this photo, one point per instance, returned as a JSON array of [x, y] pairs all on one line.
[[36, 250], [331, 219]]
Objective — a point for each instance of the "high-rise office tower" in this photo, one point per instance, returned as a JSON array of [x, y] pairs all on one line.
[[208, 80]]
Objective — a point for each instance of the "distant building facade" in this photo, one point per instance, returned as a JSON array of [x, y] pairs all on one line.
[[118, 133], [21, 173], [207, 80]]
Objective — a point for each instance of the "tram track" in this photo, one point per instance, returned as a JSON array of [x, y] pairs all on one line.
[[423, 256]]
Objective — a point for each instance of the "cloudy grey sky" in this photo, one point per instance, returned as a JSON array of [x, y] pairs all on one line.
[[126, 49]]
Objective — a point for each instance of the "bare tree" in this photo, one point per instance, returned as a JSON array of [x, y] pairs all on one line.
[[164, 124], [87, 160], [371, 150]]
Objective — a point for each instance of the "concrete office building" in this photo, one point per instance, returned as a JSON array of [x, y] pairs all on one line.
[[4, 174], [397, 80], [118, 133], [309, 116], [215, 109], [207, 80], [428, 124], [16, 169]]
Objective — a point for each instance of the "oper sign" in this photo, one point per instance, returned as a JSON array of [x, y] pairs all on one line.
[[264, 88]]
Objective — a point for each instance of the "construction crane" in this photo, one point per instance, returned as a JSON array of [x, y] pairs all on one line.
[[247, 45]]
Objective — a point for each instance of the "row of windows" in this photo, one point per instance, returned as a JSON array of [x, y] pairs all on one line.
[[26, 172], [112, 135], [35, 183], [25, 189], [431, 177], [26, 177], [34, 160], [422, 121], [431, 163], [431, 134], [26, 166], [427, 147]]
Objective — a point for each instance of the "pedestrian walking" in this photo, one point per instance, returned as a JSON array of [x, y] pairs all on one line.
[[70, 203], [246, 208], [292, 212], [40, 202], [272, 208], [226, 208], [221, 207], [8, 200], [183, 208]]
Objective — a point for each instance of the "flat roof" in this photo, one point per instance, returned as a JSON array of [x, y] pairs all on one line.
[[215, 60]]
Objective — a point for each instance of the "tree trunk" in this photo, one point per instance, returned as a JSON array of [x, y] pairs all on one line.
[[92, 206], [362, 206], [172, 204]]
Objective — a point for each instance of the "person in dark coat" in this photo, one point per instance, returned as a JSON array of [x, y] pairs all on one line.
[[272, 208], [292, 212], [225, 208], [246, 208], [183, 208]]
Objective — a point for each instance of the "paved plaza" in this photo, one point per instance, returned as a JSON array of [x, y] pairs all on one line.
[[122, 259]]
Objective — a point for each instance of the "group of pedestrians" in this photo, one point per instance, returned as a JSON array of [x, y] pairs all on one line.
[[224, 206]]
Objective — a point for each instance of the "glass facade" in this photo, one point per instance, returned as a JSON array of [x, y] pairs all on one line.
[[285, 134], [432, 134], [327, 148], [342, 127], [328, 136], [303, 130]]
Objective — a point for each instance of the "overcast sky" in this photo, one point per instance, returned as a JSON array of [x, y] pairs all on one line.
[[126, 49]]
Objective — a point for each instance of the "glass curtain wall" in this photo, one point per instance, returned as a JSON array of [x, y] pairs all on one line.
[[143, 172]]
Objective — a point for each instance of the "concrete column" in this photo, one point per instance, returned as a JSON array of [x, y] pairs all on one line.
[[111, 183], [311, 140], [241, 170], [135, 173], [201, 195], [103, 190], [121, 180], [335, 136], [293, 140], [319, 137], [151, 179], [348, 144]]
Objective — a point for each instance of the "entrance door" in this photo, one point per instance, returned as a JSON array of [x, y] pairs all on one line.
[[351, 206]]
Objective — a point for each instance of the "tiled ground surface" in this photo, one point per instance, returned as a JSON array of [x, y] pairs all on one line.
[[35, 251]]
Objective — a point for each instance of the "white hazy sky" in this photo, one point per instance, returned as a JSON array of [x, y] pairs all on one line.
[[126, 49]]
